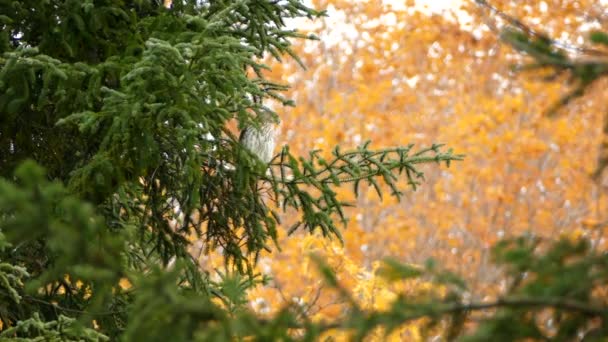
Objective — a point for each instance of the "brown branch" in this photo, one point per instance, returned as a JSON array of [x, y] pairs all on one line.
[[556, 303], [447, 309]]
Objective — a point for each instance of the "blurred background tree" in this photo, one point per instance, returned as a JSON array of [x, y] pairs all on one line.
[[428, 71]]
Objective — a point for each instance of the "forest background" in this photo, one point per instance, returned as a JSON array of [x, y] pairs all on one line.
[[400, 76], [424, 72]]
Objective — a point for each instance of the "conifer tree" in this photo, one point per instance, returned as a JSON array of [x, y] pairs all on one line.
[[114, 149]]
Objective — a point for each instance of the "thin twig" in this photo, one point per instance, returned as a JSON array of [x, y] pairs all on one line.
[[61, 308], [442, 310]]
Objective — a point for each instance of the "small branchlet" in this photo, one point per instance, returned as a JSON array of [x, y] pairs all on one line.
[[308, 184]]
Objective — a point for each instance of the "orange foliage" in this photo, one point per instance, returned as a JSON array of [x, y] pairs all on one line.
[[397, 76]]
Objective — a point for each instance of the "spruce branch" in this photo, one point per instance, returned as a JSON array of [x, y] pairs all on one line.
[[308, 184], [352, 166]]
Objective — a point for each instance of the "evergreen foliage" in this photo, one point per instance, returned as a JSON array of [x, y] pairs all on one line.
[[114, 148], [114, 113]]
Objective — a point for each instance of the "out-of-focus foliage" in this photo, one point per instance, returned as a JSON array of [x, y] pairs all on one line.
[[555, 291], [394, 72]]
